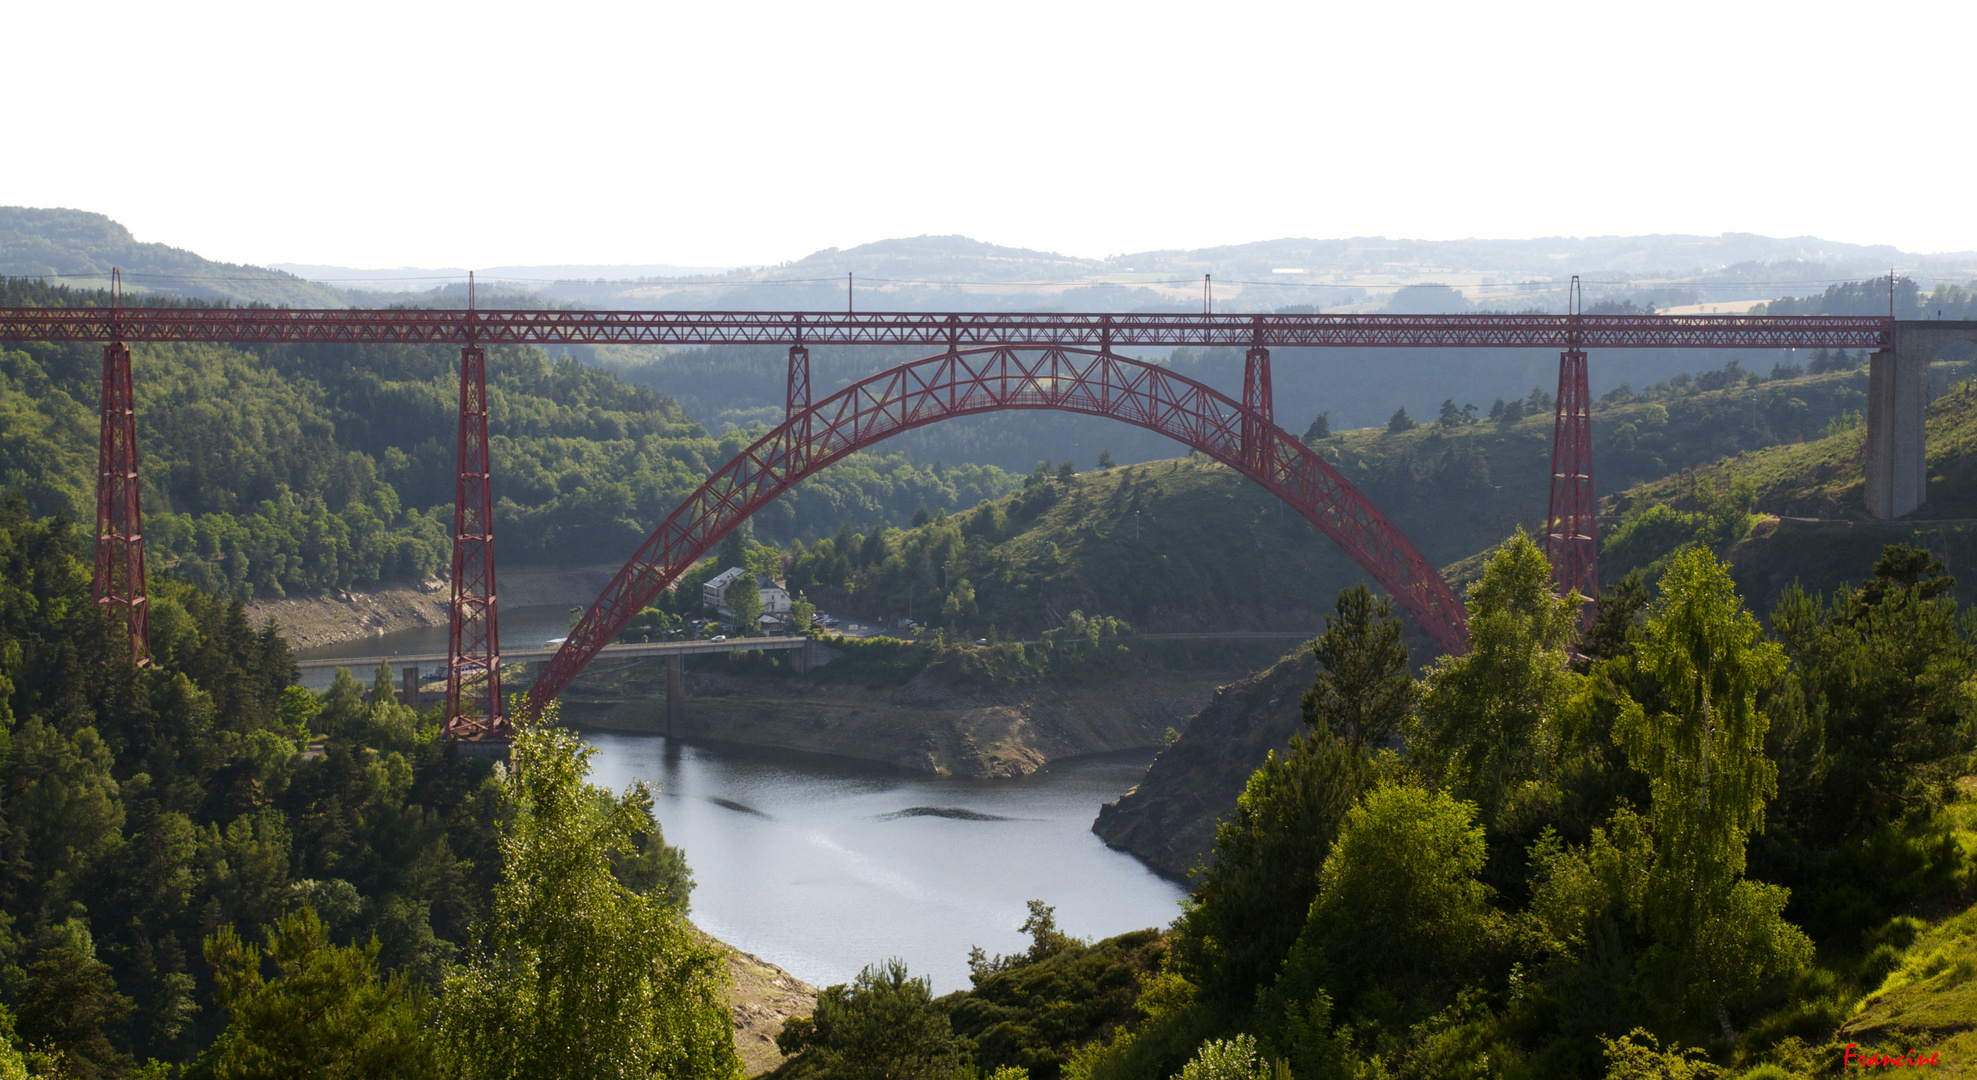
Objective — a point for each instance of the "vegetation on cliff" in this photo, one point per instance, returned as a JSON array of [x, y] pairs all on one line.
[[196, 857], [1684, 847]]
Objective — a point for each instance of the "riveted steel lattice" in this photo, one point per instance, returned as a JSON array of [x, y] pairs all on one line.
[[961, 330], [966, 382], [1571, 524], [473, 678], [119, 578]]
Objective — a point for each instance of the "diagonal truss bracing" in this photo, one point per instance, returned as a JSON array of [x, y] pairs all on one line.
[[956, 330], [963, 382]]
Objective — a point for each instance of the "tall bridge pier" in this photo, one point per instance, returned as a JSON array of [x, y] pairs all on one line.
[[1897, 400]]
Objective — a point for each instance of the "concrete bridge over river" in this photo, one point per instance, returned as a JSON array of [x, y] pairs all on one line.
[[805, 653]]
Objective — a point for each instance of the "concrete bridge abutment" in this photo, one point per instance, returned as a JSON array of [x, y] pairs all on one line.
[[1897, 464]]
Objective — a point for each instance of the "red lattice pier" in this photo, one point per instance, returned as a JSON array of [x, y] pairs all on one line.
[[988, 362]]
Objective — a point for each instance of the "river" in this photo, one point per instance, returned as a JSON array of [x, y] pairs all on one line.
[[824, 866]]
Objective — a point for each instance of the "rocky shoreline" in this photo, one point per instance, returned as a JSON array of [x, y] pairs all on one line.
[[1168, 821], [927, 725]]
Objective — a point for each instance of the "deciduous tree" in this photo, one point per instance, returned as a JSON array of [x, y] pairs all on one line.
[[1717, 935], [574, 974], [744, 599], [1485, 718], [884, 1025]]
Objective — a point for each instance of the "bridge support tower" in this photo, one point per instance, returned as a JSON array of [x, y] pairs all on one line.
[[118, 582], [1897, 463], [1571, 536], [473, 675], [119, 579], [1259, 414]]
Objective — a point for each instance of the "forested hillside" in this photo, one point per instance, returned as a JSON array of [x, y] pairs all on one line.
[[1353, 388], [280, 469], [166, 830], [1675, 847], [1189, 544]]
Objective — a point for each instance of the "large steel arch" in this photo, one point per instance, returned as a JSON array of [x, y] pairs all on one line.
[[966, 382]]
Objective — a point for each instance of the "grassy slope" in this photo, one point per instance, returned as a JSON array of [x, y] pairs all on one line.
[[1815, 530], [1825, 479], [761, 996], [1929, 1002]]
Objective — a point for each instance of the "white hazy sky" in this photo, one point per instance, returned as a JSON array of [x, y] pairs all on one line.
[[375, 134]]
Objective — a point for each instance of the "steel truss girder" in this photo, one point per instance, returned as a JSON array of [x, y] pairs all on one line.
[[970, 381], [953, 330]]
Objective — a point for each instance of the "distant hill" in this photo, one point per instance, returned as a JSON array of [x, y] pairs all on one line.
[[1358, 273], [531, 278], [78, 248]]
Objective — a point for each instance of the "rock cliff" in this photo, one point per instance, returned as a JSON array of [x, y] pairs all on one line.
[[1169, 820]]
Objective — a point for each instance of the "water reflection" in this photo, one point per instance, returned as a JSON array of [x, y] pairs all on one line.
[[826, 866]]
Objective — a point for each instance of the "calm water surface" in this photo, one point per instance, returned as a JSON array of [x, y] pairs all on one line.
[[825, 866]]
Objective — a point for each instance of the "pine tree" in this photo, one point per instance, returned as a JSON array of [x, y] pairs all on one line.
[[1363, 690]]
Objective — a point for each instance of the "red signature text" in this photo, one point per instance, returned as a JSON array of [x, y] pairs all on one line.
[[1855, 1057]]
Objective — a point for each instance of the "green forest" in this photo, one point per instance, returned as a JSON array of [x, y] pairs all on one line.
[[1676, 845], [208, 872], [277, 470]]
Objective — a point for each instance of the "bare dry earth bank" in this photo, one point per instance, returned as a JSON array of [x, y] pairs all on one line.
[[328, 618], [761, 996], [929, 724]]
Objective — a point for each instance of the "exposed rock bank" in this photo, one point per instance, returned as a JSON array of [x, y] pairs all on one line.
[[929, 724], [761, 996], [1169, 820]]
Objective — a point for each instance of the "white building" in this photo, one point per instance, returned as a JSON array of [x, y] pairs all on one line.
[[714, 594]]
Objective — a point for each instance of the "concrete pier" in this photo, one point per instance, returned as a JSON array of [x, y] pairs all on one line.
[[1897, 465]]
